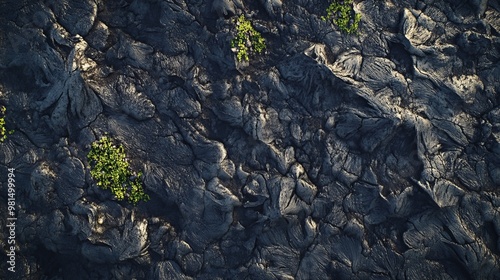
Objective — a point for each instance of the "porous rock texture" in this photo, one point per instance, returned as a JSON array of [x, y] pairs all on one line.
[[330, 156]]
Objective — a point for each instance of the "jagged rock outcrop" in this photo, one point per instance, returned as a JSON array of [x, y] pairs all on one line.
[[328, 156]]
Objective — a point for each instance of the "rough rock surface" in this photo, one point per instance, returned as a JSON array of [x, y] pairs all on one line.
[[330, 156]]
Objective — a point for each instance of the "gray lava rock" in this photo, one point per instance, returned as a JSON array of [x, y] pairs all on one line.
[[76, 16], [167, 270], [327, 156], [134, 103]]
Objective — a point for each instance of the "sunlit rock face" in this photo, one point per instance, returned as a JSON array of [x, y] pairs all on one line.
[[329, 156]]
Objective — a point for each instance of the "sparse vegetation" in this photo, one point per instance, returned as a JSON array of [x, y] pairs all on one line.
[[3, 129], [248, 41], [342, 14], [111, 170]]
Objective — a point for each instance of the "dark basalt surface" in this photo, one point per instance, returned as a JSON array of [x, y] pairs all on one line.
[[330, 156]]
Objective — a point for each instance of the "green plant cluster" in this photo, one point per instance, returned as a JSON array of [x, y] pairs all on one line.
[[248, 40], [3, 129], [342, 14], [111, 170]]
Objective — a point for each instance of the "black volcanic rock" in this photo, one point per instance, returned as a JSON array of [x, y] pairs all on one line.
[[328, 156]]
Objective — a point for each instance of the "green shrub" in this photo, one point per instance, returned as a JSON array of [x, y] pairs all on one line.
[[111, 170], [3, 129], [342, 14], [248, 41]]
